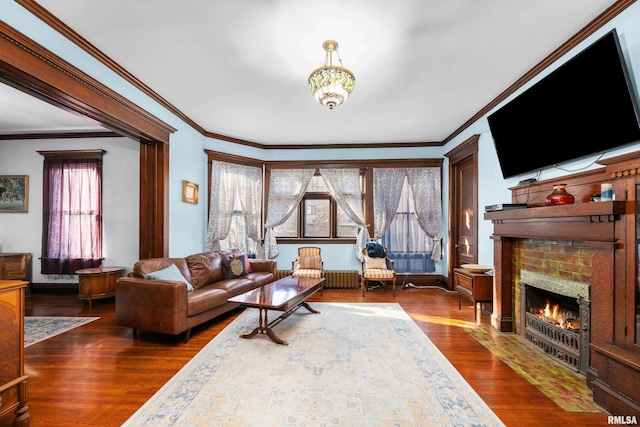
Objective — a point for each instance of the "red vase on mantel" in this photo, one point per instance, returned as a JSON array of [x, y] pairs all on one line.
[[559, 196]]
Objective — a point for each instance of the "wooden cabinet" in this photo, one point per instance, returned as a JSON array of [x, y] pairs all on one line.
[[13, 381], [15, 266], [99, 282], [478, 287]]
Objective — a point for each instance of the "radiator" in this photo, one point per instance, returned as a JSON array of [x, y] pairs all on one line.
[[337, 279]]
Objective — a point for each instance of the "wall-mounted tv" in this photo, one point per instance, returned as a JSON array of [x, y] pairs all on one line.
[[586, 106]]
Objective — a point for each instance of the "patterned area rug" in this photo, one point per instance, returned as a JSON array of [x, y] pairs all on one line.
[[38, 329], [352, 365]]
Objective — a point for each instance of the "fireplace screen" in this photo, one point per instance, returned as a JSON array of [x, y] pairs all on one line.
[[552, 324]]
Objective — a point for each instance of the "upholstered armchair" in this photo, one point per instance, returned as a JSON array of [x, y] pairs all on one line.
[[308, 264], [377, 270]]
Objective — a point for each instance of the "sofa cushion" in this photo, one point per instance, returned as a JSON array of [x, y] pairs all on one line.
[[237, 286], [205, 268], [170, 273], [204, 299], [261, 278], [234, 268], [145, 266]]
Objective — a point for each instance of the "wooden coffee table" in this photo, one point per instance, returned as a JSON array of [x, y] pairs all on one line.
[[287, 294]]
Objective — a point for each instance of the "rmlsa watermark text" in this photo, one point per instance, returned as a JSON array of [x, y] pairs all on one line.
[[629, 420]]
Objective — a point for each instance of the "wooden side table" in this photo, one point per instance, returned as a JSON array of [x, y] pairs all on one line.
[[99, 282], [478, 287]]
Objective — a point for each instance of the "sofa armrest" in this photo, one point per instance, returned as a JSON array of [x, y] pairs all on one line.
[[264, 265], [151, 305]]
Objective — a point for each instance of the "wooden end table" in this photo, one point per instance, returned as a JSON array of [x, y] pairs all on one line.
[[478, 287], [287, 294], [98, 282]]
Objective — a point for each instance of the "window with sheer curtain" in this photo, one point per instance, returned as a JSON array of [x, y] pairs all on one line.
[[72, 212], [340, 202], [409, 247], [318, 216], [235, 208]]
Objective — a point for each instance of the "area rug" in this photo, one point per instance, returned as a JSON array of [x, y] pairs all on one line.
[[351, 365], [38, 329]]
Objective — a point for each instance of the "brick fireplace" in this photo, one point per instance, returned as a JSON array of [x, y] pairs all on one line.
[[585, 259], [573, 242]]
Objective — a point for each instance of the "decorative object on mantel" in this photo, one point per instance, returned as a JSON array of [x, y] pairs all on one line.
[[331, 84], [189, 192], [477, 268], [606, 192], [559, 196]]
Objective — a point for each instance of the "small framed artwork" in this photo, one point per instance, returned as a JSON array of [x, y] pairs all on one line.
[[189, 192], [14, 193]]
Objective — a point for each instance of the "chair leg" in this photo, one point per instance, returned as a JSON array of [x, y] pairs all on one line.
[[362, 286]]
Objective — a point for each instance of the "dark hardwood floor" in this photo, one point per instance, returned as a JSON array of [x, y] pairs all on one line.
[[99, 375]]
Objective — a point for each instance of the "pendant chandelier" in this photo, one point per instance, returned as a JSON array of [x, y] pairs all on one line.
[[331, 84]]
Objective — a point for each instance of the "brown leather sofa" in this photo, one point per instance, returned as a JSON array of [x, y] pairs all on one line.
[[166, 306]]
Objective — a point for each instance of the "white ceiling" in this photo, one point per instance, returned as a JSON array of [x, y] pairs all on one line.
[[240, 68]]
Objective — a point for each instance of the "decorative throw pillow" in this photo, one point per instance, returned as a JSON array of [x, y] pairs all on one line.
[[375, 263], [234, 268], [247, 264], [310, 262], [170, 273]]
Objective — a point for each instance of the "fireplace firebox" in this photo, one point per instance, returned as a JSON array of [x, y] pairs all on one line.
[[555, 318]]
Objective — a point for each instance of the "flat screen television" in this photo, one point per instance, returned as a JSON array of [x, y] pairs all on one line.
[[586, 106]]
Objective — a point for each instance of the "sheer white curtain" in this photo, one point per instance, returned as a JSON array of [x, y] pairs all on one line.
[[344, 186], [250, 195], [286, 189], [427, 202], [387, 190], [72, 215], [230, 183]]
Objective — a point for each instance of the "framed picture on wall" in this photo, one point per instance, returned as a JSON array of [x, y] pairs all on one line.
[[14, 193], [189, 192]]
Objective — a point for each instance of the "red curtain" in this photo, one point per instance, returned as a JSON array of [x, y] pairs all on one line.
[[72, 215]]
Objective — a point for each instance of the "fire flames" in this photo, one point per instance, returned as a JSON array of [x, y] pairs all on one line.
[[552, 314]]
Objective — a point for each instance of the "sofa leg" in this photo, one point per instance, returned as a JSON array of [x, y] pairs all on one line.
[[135, 333], [187, 335]]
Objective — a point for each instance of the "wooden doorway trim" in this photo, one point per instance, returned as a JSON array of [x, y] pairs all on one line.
[[29, 67], [466, 151]]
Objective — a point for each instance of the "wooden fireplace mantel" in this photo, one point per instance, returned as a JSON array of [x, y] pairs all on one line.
[[582, 221]]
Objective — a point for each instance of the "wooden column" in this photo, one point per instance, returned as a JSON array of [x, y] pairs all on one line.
[[502, 317]]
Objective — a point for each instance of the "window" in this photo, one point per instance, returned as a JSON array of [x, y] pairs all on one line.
[[238, 236], [72, 211], [318, 216], [406, 243], [235, 206]]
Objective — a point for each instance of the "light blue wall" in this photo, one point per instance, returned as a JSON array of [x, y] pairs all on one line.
[[493, 189], [188, 161]]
